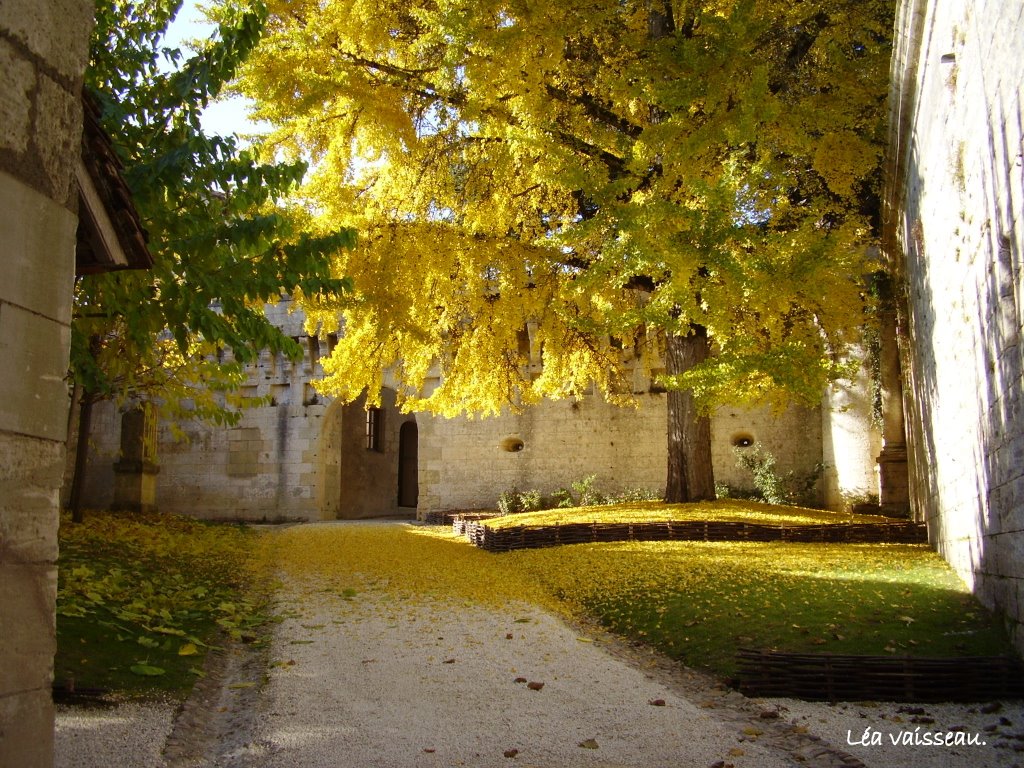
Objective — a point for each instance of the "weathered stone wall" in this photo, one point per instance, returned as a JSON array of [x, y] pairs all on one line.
[[304, 457], [956, 230], [262, 469], [466, 464], [43, 49], [851, 441]]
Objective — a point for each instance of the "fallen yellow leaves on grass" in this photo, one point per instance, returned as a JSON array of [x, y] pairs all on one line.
[[723, 510], [699, 601], [158, 575], [406, 561]]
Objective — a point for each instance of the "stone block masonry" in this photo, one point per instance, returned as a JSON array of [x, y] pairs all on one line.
[[43, 51], [306, 457], [956, 231]]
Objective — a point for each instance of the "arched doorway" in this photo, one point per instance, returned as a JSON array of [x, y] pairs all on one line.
[[408, 465]]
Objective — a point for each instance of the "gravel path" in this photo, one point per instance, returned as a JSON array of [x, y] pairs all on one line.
[[441, 685], [369, 682]]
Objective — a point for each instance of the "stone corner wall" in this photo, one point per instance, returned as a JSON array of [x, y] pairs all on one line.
[[956, 234], [851, 442], [43, 52]]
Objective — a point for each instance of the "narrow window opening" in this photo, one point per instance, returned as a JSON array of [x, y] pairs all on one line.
[[374, 421]]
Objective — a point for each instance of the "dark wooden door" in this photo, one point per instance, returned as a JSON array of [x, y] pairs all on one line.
[[408, 465]]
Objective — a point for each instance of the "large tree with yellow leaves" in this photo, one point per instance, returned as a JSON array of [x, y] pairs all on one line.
[[693, 181]]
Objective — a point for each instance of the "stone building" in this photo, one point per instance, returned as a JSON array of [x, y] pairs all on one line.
[[305, 457], [955, 235], [64, 210], [954, 231], [43, 51]]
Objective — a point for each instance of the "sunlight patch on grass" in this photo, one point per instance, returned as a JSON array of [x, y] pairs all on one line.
[[696, 601], [700, 602]]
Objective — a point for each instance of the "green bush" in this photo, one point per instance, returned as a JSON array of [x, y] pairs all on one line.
[[773, 487], [586, 494], [583, 494], [531, 501], [515, 501], [635, 494], [509, 502], [561, 499]]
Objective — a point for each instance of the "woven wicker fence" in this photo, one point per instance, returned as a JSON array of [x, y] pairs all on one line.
[[464, 522], [829, 677], [521, 537], [455, 518]]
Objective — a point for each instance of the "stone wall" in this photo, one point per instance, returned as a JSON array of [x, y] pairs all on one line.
[[466, 464], [297, 456], [955, 230], [43, 49], [305, 457]]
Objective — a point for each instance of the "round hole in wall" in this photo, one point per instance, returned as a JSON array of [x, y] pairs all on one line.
[[512, 444], [742, 440]]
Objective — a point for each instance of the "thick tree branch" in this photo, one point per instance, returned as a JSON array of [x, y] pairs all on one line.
[[596, 111]]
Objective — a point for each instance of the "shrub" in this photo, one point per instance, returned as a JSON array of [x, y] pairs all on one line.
[[586, 494], [509, 502], [635, 494], [531, 501], [583, 494], [515, 501], [776, 488], [561, 499]]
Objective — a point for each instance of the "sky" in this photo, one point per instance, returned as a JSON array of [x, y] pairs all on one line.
[[224, 117]]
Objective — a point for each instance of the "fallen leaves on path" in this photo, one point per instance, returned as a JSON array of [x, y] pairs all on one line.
[[698, 601], [407, 562]]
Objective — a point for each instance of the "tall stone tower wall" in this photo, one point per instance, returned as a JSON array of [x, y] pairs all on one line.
[[955, 230]]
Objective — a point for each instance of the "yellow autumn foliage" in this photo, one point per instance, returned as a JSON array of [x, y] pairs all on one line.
[[541, 186]]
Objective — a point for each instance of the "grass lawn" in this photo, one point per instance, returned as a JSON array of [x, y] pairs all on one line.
[[140, 598], [700, 602], [696, 601], [723, 510]]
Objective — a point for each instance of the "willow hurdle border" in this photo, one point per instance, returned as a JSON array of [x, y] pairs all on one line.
[[507, 539], [834, 677]]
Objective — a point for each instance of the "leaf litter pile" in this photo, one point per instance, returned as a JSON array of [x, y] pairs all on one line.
[[698, 602], [722, 510]]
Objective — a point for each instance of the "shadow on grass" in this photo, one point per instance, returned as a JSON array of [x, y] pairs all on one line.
[[701, 602], [696, 601]]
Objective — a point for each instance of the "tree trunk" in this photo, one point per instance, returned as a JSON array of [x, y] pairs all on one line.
[[81, 456], [690, 473]]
